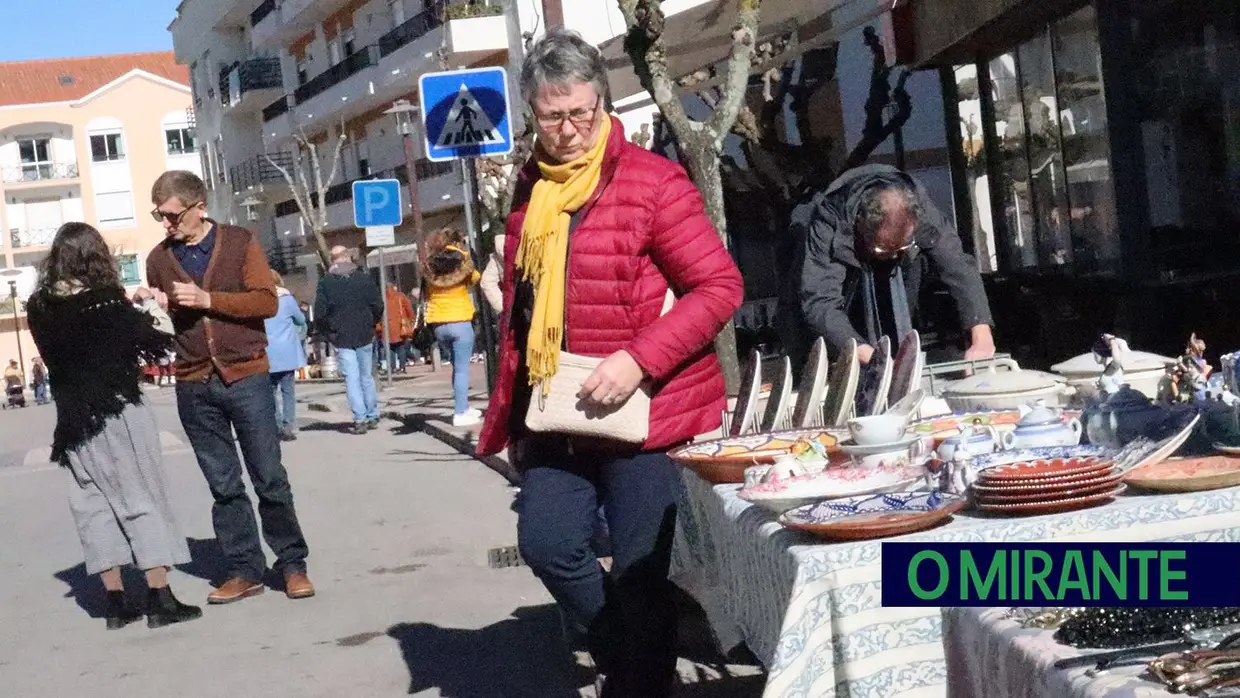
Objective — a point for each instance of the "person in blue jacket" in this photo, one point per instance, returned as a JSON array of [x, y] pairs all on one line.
[[286, 352]]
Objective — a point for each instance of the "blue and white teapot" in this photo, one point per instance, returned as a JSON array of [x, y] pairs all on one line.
[[973, 440], [1041, 426]]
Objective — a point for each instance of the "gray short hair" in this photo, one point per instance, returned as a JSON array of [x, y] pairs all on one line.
[[562, 57], [872, 214]]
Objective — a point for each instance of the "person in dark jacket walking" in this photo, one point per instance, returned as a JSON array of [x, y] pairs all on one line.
[[348, 305], [869, 236]]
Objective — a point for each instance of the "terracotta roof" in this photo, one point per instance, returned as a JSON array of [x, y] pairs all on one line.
[[68, 79]]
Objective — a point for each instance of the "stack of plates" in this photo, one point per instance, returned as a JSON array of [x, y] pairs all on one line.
[[1047, 486]]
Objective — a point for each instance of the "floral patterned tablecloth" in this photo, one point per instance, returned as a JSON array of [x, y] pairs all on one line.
[[991, 656], [811, 611]]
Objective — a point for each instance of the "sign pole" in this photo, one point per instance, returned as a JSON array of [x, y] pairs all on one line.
[[387, 340]]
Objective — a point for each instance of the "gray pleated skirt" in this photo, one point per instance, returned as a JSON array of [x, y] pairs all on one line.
[[119, 496]]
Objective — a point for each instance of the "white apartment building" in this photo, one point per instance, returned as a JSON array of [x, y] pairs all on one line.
[[263, 71]]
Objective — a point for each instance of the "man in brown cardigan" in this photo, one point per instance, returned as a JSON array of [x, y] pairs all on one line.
[[216, 284]]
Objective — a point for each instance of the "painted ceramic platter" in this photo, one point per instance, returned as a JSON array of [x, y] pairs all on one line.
[[1043, 469], [740, 452], [877, 516], [1054, 506], [833, 483], [945, 425], [1187, 474], [1019, 455], [1062, 491], [842, 387]]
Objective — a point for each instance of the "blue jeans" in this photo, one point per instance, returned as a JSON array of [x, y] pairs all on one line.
[[40, 393], [210, 411], [358, 367], [458, 337], [286, 398], [629, 614]]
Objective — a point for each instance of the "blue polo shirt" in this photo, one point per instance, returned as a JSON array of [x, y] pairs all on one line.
[[195, 258]]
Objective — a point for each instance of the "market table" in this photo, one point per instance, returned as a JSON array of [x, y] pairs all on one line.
[[811, 611], [991, 656]]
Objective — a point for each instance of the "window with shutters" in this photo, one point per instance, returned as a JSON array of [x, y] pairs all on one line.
[[114, 209]]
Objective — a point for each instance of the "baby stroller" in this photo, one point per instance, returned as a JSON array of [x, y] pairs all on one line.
[[16, 394]]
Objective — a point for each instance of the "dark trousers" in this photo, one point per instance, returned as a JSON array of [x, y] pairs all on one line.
[[629, 615], [210, 412]]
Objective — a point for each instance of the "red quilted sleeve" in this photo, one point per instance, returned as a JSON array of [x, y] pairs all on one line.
[[708, 286]]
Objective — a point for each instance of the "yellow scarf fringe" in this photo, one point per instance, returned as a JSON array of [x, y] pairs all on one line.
[[542, 256]]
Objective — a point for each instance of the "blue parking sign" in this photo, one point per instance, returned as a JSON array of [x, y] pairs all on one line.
[[376, 202], [466, 113]]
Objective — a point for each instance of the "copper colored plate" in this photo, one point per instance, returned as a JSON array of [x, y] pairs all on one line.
[[1082, 489], [1042, 469], [1187, 474], [1044, 484], [1053, 506]]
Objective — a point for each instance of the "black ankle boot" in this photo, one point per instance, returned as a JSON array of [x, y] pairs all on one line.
[[119, 613], [162, 608]]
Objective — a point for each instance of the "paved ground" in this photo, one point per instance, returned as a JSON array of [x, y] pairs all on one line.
[[399, 526]]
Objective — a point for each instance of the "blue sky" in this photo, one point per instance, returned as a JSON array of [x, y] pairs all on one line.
[[64, 28]]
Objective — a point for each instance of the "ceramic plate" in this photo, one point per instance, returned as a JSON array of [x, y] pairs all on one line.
[[1048, 484], [837, 482], [877, 516], [1060, 491], [1019, 455], [842, 388], [1053, 506], [755, 448], [1227, 450], [1187, 474], [856, 449], [1043, 469], [945, 425], [906, 369]]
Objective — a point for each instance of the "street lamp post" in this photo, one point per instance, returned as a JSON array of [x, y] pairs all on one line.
[[17, 328], [406, 125]]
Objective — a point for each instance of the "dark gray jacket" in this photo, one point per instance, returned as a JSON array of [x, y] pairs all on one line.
[[348, 306], [831, 273]]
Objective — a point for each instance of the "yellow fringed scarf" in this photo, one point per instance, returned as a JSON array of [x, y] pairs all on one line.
[[542, 255]]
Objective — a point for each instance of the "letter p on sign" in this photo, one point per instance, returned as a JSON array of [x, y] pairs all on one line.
[[376, 202]]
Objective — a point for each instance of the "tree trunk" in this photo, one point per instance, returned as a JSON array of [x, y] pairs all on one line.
[[703, 166]]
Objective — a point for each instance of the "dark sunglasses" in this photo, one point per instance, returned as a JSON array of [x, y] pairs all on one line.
[[173, 218]]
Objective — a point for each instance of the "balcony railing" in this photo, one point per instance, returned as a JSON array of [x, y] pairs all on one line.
[[259, 170], [262, 11], [363, 59], [40, 172], [32, 237], [277, 108], [420, 25], [253, 74], [344, 190]]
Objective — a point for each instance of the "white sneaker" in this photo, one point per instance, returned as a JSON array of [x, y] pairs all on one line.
[[474, 412], [466, 420]]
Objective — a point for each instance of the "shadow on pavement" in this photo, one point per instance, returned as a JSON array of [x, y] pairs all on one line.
[[206, 560], [518, 657]]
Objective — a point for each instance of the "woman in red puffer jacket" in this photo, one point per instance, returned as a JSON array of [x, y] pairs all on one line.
[[631, 225]]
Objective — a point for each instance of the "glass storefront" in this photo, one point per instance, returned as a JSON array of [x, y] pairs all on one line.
[[1188, 91], [1052, 205]]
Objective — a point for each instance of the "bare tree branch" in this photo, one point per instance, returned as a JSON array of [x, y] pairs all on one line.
[[744, 38], [644, 44]]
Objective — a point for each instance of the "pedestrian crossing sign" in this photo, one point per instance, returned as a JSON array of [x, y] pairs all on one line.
[[466, 113]]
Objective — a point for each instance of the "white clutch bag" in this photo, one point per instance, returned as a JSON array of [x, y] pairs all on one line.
[[562, 412]]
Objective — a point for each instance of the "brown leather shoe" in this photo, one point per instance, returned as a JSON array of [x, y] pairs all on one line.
[[297, 586], [235, 589]]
